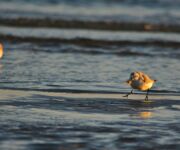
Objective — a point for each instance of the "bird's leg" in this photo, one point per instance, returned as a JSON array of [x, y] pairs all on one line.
[[146, 98], [128, 94]]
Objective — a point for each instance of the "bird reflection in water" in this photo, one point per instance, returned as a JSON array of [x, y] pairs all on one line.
[[145, 114], [143, 110], [142, 115]]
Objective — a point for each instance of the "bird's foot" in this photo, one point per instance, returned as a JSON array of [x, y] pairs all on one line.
[[146, 98], [147, 101], [126, 95]]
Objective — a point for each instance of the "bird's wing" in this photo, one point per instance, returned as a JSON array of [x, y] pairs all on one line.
[[141, 76], [146, 78]]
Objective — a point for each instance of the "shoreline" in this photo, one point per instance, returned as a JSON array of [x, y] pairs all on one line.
[[7, 94]]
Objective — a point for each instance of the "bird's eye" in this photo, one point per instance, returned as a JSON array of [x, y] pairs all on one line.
[[132, 74]]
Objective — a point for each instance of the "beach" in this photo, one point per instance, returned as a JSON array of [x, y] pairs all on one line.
[[63, 73]]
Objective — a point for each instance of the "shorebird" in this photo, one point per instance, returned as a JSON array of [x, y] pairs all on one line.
[[1, 50], [140, 81]]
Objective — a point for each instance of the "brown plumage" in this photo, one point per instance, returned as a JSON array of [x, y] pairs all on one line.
[[140, 81]]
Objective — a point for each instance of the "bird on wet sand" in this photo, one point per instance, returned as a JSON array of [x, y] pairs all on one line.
[[140, 81]]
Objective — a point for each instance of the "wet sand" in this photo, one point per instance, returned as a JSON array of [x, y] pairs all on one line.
[[58, 120], [63, 71], [92, 95]]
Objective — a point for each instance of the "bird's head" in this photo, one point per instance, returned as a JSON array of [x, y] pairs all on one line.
[[134, 76]]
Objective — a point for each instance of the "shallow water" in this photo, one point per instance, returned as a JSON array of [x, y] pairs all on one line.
[[63, 72], [56, 120]]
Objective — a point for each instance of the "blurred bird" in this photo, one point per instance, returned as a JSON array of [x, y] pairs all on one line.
[[1, 50], [140, 81]]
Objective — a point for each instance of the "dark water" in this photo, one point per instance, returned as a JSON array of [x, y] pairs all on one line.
[[63, 73]]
